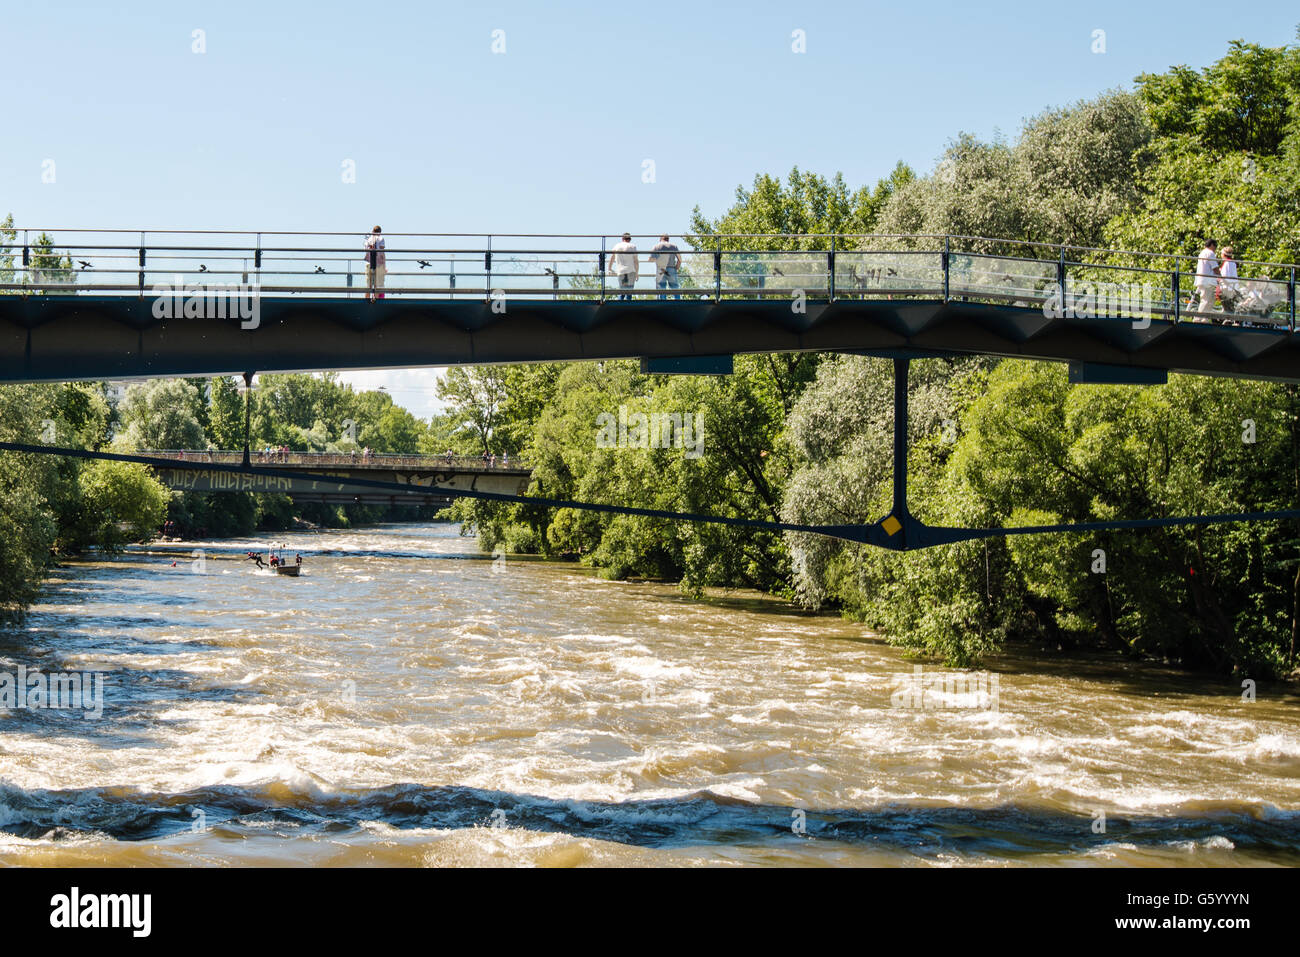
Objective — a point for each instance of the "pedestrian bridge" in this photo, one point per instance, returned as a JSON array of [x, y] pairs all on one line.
[[120, 304], [332, 476]]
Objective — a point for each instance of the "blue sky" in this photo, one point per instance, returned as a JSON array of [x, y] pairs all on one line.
[[549, 136]]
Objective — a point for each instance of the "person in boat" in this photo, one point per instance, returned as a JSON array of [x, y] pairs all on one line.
[[298, 559]]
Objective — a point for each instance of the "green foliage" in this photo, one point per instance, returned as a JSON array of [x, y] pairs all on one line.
[[48, 267], [1242, 103], [8, 237], [27, 523], [161, 414], [1033, 450], [739, 471], [116, 503], [476, 397], [1226, 159], [226, 414], [1071, 170], [803, 207]]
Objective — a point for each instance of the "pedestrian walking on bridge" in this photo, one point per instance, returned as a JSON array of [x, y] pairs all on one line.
[[1207, 270]]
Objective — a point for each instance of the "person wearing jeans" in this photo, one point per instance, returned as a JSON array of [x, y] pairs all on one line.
[[624, 264], [667, 260]]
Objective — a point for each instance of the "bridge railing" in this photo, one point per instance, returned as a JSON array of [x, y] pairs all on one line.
[[1077, 281], [375, 460]]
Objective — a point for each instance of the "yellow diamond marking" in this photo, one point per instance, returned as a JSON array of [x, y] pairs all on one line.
[[891, 525]]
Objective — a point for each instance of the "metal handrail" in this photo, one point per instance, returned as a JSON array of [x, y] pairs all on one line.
[[829, 237], [496, 264]]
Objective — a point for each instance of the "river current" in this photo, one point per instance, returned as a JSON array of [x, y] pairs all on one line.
[[407, 701]]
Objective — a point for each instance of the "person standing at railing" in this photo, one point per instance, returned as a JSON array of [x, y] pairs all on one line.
[[625, 265], [376, 265], [1207, 267], [667, 260]]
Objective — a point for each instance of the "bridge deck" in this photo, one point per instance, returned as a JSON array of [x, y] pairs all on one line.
[[351, 461]]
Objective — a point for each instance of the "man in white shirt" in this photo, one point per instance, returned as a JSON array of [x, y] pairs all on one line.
[[624, 263], [1207, 267], [667, 260]]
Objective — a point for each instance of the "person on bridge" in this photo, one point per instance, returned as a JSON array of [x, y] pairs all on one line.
[[625, 265], [667, 259], [1229, 288], [376, 265], [1207, 268]]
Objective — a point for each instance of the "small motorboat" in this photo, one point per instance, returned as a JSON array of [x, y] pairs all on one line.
[[276, 564]]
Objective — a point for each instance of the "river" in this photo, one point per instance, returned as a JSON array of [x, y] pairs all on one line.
[[409, 702]]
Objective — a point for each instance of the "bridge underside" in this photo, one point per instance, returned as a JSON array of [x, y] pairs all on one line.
[[392, 501], [63, 338]]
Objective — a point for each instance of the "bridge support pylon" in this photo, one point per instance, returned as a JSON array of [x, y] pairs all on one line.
[[900, 531], [248, 417]]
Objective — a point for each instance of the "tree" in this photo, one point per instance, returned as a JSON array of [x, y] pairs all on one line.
[[1242, 103], [27, 523], [118, 502], [161, 414], [48, 267], [8, 236], [225, 414], [395, 431], [1225, 161], [1070, 171], [805, 207], [475, 396]]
